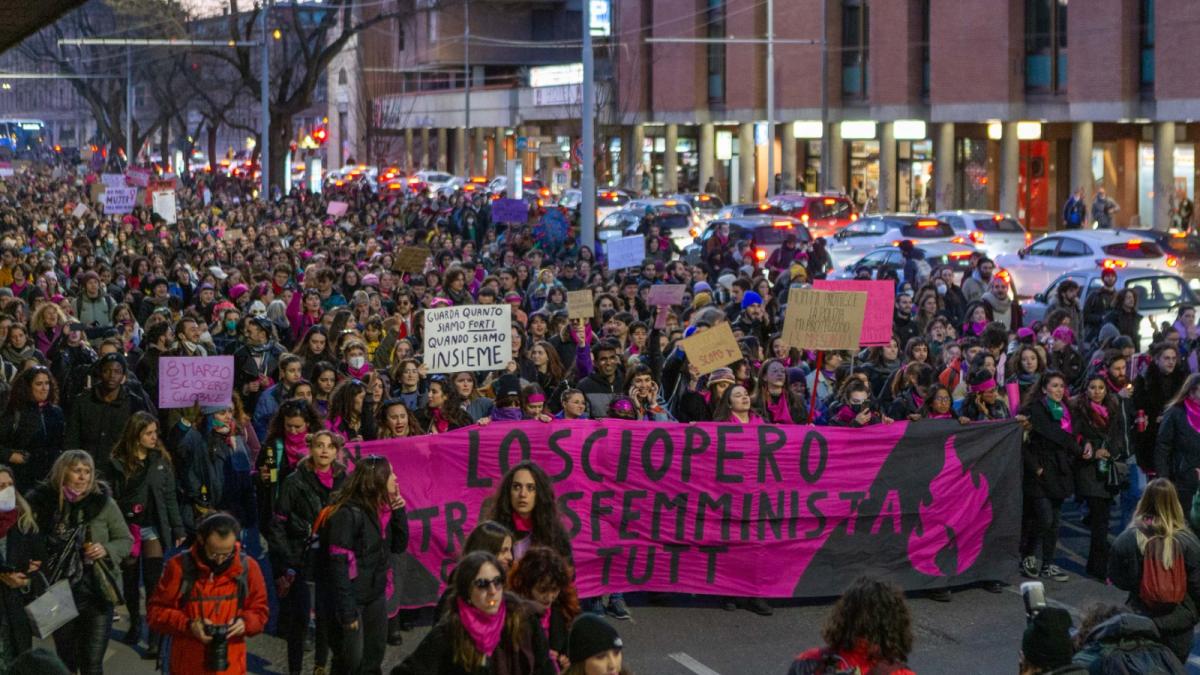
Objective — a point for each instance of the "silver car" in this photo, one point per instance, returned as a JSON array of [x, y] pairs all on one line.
[[989, 231]]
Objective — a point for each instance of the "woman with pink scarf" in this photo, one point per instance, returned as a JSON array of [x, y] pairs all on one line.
[[1177, 449]]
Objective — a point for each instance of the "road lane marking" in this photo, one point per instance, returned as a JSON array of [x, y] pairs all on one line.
[[692, 664]]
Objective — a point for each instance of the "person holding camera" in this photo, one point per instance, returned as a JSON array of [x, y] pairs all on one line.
[[211, 598]]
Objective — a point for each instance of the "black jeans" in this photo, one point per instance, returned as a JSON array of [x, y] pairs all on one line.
[[294, 611], [360, 651], [1099, 511], [82, 642], [1047, 517]]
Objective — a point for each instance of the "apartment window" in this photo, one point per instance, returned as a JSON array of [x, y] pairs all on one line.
[[399, 35], [1046, 46], [855, 41], [924, 47], [714, 23], [1146, 44]]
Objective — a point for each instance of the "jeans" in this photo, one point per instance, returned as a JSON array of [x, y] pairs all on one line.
[[1045, 521], [1099, 512], [295, 608], [82, 642], [360, 651]]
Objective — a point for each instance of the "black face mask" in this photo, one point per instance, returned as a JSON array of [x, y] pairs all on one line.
[[857, 407], [215, 567]]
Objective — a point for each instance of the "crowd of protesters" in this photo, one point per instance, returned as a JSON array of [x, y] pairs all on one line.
[[326, 337]]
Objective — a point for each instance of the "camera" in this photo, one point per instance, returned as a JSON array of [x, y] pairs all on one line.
[[1034, 595], [216, 654]]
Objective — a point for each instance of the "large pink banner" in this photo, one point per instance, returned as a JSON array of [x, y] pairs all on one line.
[[770, 511]]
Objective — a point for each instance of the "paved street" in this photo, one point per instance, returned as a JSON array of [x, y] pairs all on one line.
[[978, 632]]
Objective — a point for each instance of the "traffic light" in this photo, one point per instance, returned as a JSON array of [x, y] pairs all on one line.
[[320, 135]]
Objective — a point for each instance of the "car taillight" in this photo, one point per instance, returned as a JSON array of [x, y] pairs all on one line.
[[1111, 264], [1172, 261], [927, 223], [695, 231], [976, 237], [853, 217], [760, 255], [804, 218], [958, 240], [1028, 238]]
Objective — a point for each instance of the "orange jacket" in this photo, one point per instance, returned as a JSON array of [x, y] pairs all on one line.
[[214, 598]]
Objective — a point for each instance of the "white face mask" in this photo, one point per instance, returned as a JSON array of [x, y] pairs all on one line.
[[357, 362], [8, 499]]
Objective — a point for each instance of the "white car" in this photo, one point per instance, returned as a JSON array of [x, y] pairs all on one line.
[[870, 232], [434, 180], [1033, 268], [989, 231]]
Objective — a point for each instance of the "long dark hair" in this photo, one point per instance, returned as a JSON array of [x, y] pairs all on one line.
[[22, 388], [294, 407], [871, 614], [341, 403], [381, 415], [366, 487], [1036, 393], [516, 622], [547, 525], [125, 451]]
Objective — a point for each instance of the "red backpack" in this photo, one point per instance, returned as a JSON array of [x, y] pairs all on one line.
[[1161, 588]]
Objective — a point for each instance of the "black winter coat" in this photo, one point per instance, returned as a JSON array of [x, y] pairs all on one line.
[[1126, 323], [160, 489], [353, 562], [435, 654], [1101, 433], [301, 499], [21, 548], [1052, 450], [1152, 390], [36, 432], [95, 425], [1177, 452], [1125, 572]]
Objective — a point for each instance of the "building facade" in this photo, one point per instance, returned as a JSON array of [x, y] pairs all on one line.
[[920, 104]]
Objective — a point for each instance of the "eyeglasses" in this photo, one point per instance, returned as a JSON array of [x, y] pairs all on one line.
[[484, 584]]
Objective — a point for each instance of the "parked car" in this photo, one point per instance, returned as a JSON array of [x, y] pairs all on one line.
[[824, 214], [434, 180], [991, 232], [1184, 246], [683, 229], [747, 209], [608, 201], [1159, 294], [763, 234], [615, 225], [938, 254], [1033, 268], [870, 232], [705, 204]]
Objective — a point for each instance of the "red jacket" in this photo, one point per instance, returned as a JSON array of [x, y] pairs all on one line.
[[214, 598]]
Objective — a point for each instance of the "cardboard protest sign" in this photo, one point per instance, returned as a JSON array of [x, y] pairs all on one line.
[[113, 180], [468, 337], [579, 304], [410, 259], [626, 252], [164, 205], [711, 349], [80, 210], [666, 294], [728, 509], [186, 380], [823, 319], [336, 209], [881, 296], [510, 211], [234, 235], [119, 200]]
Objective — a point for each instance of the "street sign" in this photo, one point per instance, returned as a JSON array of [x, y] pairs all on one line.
[[522, 144]]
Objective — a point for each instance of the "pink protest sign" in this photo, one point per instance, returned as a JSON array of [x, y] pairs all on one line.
[[665, 294], [185, 380], [881, 298], [746, 510], [336, 209]]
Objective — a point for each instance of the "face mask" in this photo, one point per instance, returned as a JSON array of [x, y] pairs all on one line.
[[8, 499], [231, 326], [357, 362], [941, 289]]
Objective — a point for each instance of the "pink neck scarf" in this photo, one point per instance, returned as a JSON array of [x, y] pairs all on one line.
[[1193, 413], [484, 629], [778, 408]]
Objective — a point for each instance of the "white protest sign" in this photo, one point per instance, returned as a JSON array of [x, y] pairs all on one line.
[[80, 210], [626, 252], [138, 176], [164, 205], [119, 200], [113, 180], [468, 337]]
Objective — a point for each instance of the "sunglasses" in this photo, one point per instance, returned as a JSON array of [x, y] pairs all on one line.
[[484, 584]]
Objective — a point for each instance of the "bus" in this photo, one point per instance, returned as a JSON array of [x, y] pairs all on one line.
[[22, 138]]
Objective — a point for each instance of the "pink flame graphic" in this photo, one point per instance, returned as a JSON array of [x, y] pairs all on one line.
[[954, 520]]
